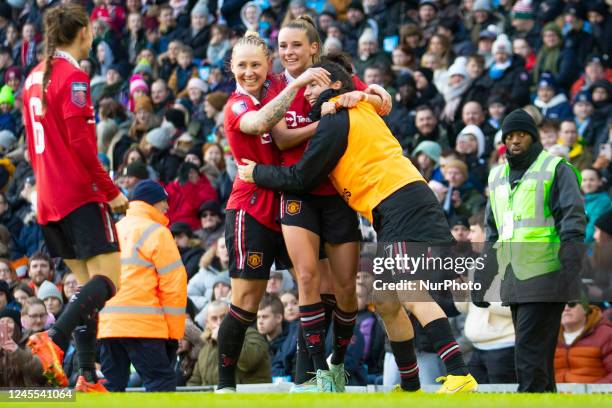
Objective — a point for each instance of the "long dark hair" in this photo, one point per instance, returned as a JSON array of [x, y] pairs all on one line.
[[339, 68], [62, 24]]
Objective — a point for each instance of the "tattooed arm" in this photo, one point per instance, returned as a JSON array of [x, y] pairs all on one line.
[[263, 120]]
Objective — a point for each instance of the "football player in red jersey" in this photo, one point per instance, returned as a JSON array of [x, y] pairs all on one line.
[[320, 230], [75, 194], [251, 233]]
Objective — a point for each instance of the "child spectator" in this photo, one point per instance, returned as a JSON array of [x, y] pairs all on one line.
[[273, 327], [427, 157], [185, 70], [549, 133], [552, 103], [597, 200], [218, 46], [589, 125], [7, 103], [490, 329], [213, 264]]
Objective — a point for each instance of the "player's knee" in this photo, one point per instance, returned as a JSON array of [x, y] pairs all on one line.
[[308, 276], [387, 309]]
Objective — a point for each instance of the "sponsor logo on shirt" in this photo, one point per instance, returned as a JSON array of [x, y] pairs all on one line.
[[293, 120], [254, 259], [78, 94]]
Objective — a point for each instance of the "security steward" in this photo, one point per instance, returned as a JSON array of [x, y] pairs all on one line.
[[142, 324], [535, 220]]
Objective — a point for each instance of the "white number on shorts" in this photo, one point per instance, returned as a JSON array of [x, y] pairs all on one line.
[[37, 127]]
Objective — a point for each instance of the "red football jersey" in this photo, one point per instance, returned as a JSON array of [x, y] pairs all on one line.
[[297, 117], [66, 178], [260, 203]]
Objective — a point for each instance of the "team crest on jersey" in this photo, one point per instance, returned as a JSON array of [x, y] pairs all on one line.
[[254, 259], [239, 107], [294, 207], [78, 94]]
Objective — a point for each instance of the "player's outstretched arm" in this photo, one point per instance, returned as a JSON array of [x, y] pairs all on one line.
[[263, 120], [320, 157]]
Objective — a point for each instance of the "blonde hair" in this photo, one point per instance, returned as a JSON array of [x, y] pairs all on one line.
[[253, 38]]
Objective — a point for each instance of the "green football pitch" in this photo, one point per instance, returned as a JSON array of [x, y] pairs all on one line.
[[208, 400]]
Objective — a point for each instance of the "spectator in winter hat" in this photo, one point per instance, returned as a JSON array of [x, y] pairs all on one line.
[[13, 77], [481, 17], [426, 91], [51, 295], [427, 157], [160, 138], [133, 174], [554, 58], [458, 83], [369, 53], [507, 73], [7, 101], [523, 21], [196, 89], [138, 88], [551, 103], [583, 110], [428, 17], [497, 107]]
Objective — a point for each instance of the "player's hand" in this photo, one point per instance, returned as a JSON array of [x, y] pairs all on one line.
[[119, 204], [350, 99], [245, 171], [328, 108], [387, 103], [318, 75]]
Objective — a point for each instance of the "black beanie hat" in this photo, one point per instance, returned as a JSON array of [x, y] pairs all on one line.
[[519, 120]]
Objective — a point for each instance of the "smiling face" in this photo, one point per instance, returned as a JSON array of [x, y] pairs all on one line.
[[591, 182], [250, 67], [295, 51], [313, 90]]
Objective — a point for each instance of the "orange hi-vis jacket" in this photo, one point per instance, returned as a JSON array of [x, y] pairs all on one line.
[[373, 166], [152, 294]]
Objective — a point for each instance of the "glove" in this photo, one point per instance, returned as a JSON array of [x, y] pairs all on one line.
[[171, 348], [482, 304]]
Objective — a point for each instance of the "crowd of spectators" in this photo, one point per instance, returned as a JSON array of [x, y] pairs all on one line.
[[160, 80]]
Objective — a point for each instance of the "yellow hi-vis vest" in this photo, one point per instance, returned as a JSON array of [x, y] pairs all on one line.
[[531, 244], [373, 166]]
